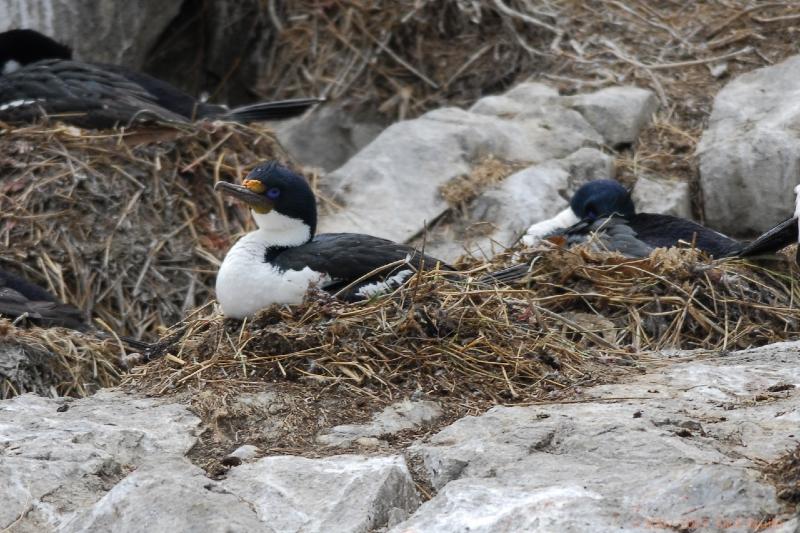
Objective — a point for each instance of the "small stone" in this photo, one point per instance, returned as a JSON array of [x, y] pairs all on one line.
[[368, 442], [242, 453]]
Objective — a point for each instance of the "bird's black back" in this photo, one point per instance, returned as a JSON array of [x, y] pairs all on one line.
[[663, 231], [95, 97]]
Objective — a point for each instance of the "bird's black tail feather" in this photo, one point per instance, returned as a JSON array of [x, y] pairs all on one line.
[[277, 110], [772, 240]]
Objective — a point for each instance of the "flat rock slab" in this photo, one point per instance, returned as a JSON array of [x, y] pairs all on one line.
[[677, 449], [391, 187], [116, 462], [54, 462], [393, 419], [750, 153]]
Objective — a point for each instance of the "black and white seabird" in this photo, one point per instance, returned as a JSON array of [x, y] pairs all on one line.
[[605, 207], [39, 78], [22, 298], [280, 260]]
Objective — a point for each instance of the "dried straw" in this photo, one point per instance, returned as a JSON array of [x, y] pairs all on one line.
[[124, 225]]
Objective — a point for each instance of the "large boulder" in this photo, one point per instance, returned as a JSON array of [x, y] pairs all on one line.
[[750, 152], [391, 188], [105, 31], [328, 136]]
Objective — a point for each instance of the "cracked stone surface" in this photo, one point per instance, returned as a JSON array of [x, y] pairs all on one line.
[[117, 462], [678, 448]]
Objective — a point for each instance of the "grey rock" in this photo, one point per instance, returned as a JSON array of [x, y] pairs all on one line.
[[401, 171], [666, 197], [689, 459], [750, 153], [56, 463], [346, 493], [618, 113], [502, 213], [393, 419], [169, 496], [328, 136], [105, 31]]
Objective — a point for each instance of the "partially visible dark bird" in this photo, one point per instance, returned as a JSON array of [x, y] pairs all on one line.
[[605, 207], [39, 78], [279, 261], [21, 298], [781, 235]]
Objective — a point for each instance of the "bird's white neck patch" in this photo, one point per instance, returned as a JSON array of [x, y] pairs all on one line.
[[246, 283], [280, 230], [10, 66], [540, 230]]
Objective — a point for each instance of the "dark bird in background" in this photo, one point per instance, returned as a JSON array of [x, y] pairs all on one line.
[[605, 207], [19, 297], [39, 78], [280, 260]]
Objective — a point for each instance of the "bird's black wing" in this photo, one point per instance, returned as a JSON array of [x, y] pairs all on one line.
[[664, 231], [80, 93], [170, 97], [19, 296], [276, 110], [346, 257], [772, 240]]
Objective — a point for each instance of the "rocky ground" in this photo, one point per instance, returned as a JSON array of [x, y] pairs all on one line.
[[697, 444]]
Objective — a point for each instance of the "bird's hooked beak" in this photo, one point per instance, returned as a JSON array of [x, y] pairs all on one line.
[[250, 192]]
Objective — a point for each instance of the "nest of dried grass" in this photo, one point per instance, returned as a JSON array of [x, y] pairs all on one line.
[[581, 317], [56, 362], [407, 57], [124, 225]]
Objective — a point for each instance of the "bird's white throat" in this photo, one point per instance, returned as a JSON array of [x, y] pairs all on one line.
[[281, 230], [540, 230], [246, 283]]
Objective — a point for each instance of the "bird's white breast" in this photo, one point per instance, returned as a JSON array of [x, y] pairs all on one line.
[[246, 283]]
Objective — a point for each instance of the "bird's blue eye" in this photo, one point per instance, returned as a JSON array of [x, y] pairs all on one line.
[[273, 193]]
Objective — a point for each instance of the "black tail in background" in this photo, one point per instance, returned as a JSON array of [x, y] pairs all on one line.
[[772, 240], [278, 110]]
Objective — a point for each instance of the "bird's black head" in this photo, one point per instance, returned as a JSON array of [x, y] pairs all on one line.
[[21, 47], [271, 187], [602, 198]]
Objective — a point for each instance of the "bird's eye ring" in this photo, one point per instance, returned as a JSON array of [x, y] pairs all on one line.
[[273, 193]]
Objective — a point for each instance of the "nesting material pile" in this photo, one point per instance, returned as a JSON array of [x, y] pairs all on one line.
[[124, 225], [56, 361], [582, 317]]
